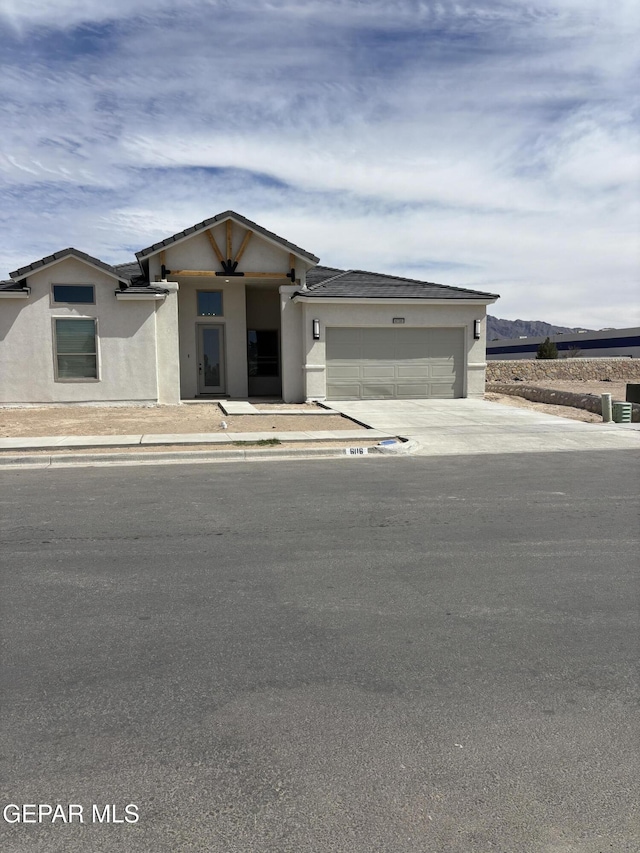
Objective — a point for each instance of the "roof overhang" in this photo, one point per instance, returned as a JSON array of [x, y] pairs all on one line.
[[30, 270], [391, 300], [220, 219], [23, 293]]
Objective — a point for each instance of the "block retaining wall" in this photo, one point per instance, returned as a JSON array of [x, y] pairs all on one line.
[[590, 402], [585, 369]]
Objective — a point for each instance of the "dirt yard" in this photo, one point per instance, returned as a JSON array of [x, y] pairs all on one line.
[[617, 390], [207, 417], [134, 420]]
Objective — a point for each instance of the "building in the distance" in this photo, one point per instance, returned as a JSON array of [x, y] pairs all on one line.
[[607, 342]]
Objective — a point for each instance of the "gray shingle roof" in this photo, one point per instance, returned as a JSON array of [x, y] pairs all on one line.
[[319, 274], [65, 253], [207, 223], [321, 281], [360, 284], [130, 270]]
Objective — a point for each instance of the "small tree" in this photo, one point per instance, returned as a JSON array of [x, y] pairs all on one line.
[[547, 349]]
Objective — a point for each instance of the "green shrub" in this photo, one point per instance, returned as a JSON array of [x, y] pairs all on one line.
[[547, 349]]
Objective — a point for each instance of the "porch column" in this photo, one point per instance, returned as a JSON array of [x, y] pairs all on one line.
[[167, 346], [291, 356]]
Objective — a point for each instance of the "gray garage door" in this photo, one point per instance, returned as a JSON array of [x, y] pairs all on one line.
[[377, 364]]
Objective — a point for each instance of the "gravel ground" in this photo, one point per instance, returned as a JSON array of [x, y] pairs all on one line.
[[132, 420], [560, 411], [618, 390]]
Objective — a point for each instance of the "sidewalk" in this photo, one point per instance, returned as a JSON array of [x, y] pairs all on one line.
[[64, 442], [176, 447]]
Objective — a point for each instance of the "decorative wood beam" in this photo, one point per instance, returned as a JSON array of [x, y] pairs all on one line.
[[292, 268], [214, 246], [243, 246], [163, 257], [212, 273], [229, 239], [193, 272], [265, 275]]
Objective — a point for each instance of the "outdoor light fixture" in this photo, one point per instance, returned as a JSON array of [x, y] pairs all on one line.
[[476, 330], [316, 330]]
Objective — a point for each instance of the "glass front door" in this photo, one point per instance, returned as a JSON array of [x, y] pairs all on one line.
[[210, 360]]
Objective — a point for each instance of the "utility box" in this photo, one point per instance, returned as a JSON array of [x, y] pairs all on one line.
[[621, 413], [633, 393]]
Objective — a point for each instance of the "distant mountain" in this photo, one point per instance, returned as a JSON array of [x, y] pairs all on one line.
[[501, 329]]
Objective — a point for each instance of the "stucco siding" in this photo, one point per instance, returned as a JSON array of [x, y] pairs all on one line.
[[126, 342], [235, 333]]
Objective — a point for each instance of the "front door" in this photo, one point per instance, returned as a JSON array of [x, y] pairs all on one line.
[[211, 360]]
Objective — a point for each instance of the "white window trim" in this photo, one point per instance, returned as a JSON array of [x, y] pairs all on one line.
[[56, 378], [53, 302]]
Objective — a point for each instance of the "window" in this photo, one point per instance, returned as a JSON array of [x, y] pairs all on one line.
[[74, 293], [209, 303], [75, 349], [263, 353]]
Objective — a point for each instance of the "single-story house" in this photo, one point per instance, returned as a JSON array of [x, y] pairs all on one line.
[[227, 308]]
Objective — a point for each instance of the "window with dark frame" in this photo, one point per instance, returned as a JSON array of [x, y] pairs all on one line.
[[209, 303], [75, 348], [80, 294], [263, 352]]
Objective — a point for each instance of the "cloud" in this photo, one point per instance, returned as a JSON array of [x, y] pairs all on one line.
[[493, 144]]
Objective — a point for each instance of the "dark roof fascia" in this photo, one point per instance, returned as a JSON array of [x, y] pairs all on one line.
[[61, 255], [221, 217], [144, 288]]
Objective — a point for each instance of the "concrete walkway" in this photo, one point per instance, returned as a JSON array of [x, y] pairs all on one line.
[[443, 427]]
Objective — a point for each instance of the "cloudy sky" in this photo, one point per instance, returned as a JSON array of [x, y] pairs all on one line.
[[484, 143]]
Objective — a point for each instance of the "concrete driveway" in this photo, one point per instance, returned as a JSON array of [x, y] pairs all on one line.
[[443, 427]]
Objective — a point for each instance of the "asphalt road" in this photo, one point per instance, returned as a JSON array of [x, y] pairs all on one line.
[[423, 654]]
